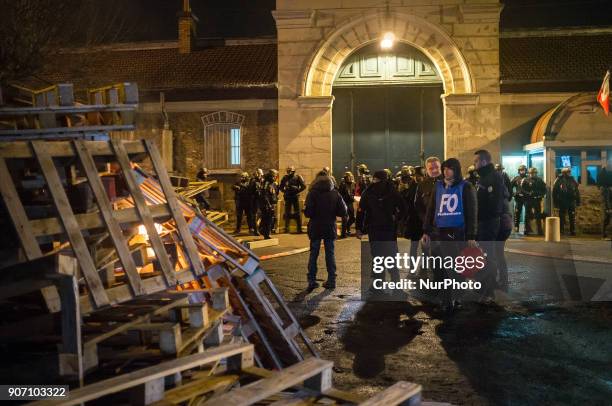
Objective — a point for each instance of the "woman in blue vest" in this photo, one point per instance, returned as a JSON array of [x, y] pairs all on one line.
[[450, 221]]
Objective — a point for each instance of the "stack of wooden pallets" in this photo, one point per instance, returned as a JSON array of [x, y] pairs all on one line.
[[144, 286]]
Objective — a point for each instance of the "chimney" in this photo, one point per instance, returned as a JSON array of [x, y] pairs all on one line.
[[186, 29]]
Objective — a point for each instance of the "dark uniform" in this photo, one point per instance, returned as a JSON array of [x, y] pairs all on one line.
[[472, 175], [517, 191], [566, 198], [604, 181], [534, 190], [255, 187], [292, 185], [243, 199], [381, 208], [267, 198], [347, 191], [364, 179], [507, 180], [413, 224]]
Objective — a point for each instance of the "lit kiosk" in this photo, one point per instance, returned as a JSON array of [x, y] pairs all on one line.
[[578, 135]]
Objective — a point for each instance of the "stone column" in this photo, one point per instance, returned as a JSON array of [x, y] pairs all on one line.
[[304, 134]]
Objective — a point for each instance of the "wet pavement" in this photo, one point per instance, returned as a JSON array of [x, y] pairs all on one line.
[[540, 348]]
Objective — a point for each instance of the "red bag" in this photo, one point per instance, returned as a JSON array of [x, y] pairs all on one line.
[[476, 265]]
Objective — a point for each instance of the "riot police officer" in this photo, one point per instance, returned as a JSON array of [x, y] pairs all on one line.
[[604, 181], [267, 198], [202, 197], [291, 186], [472, 175], [255, 186], [534, 190], [243, 200], [364, 179], [566, 197], [499, 168], [519, 198], [347, 191], [404, 178]]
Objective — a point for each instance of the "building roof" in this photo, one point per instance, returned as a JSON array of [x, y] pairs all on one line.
[[562, 62], [244, 69]]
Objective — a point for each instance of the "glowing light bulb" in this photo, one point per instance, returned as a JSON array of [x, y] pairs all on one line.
[[387, 41]]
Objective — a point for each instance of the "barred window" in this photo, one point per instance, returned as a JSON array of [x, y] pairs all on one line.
[[222, 137]]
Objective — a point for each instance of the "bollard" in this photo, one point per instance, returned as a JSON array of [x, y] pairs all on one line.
[[553, 229]]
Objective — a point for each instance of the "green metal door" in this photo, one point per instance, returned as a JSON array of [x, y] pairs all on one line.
[[386, 126]]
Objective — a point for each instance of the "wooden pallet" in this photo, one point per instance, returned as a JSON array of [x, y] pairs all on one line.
[[231, 379], [53, 112], [204, 256], [72, 226]]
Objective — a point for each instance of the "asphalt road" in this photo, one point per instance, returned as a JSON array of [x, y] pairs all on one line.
[[545, 346]]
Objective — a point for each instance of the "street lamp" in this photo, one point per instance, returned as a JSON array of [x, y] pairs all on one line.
[[387, 41]]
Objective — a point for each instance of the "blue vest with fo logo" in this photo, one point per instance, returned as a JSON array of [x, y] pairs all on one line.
[[449, 205]]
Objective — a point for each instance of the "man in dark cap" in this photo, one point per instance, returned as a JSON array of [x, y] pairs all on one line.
[[347, 191], [381, 208]]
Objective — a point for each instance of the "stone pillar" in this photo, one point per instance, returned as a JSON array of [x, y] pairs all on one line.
[[304, 134]]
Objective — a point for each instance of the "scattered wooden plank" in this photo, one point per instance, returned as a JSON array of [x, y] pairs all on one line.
[[77, 242], [112, 226], [262, 243], [313, 373], [401, 393], [144, 212], [142, 376]]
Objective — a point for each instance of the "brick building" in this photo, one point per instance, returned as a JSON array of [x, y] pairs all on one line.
[[323, 92]]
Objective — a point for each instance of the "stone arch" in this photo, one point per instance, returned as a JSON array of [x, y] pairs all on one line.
[[359, 31]]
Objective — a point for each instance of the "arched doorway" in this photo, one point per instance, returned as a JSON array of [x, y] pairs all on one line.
[[387, 109]]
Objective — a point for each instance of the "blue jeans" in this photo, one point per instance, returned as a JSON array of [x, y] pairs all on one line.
[[330, 260]]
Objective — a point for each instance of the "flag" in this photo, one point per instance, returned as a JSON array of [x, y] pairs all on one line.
[[603, 97]]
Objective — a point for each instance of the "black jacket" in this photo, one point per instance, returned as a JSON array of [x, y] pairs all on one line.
[[413, 223], [516, 186], [423, 194], [347, 191], [565, 192], [533, 188], [323, 205], [292, 185], [243, 191], [381, 205], [491, 193]]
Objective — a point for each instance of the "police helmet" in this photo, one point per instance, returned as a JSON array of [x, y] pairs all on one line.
[[533, 170]]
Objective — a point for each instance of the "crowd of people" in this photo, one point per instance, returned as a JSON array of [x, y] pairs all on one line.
[[434, 207]]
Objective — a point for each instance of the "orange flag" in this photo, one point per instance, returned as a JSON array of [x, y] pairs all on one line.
[[603, 97]]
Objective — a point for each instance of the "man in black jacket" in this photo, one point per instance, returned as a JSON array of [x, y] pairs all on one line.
[[450, 221], [491, 193], [381, 209], [291, 186], [323, 205], [347, 191]]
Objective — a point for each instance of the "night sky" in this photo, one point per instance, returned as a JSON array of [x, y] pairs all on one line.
[[153, 20]]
